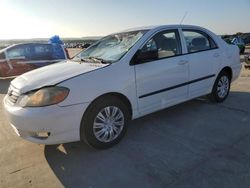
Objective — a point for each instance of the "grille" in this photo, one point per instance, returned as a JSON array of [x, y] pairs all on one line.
[[13, 95]]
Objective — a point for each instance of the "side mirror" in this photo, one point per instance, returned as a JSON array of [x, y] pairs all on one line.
[[143, 57]]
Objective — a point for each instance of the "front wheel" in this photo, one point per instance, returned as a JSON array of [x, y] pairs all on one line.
[[221, 87], [104, 123]]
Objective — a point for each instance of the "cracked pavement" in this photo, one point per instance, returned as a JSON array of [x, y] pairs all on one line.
[[195, 144]]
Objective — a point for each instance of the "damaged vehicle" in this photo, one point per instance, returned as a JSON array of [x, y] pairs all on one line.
[[20, 58], [121, 77]]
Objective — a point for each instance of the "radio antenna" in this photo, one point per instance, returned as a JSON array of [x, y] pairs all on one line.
[[184, 16]]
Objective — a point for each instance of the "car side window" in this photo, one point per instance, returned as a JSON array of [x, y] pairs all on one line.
[[197, 41], [42, 52], [19, 52], [57, 52], [167, 44], [150, 46]]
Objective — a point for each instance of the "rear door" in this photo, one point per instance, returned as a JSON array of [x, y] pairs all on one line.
[[204, 59], [160, 83]]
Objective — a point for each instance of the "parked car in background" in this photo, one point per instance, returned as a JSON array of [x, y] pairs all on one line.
[[121, 77], [247, 59], [18, 59], [240, 43], [86, 45]]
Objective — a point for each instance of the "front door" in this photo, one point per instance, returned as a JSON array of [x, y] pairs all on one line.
[[161, 82]]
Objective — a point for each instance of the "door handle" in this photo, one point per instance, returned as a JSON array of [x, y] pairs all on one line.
[[183, 62]]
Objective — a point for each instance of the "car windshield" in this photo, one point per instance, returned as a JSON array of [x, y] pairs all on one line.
[[111, 48]]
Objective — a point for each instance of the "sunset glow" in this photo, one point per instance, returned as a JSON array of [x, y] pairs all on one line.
[[78, 18]]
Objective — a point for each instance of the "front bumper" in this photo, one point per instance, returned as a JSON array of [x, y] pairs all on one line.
[[61, 123]]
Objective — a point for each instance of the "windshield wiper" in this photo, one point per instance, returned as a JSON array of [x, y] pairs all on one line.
[[98, 59]]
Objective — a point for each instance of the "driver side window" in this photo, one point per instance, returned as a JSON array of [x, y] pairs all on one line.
[[150, 46], [166, 43]]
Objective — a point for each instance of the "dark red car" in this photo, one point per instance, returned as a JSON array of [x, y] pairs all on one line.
[[18, 59]]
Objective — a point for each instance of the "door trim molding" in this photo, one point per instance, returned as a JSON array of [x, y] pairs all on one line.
[[176, 86]]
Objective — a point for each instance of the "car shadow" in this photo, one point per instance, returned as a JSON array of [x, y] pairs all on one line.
[[156, 150], [4, 85]]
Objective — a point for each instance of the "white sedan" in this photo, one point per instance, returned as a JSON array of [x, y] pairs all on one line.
[[121, 77]]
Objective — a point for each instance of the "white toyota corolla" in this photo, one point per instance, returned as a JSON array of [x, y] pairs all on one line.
[[121, 77]]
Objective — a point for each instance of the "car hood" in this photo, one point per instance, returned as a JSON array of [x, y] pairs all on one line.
[[52, 75]]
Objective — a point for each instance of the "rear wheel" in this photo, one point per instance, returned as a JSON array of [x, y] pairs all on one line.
[[221, 87], [104, 123]]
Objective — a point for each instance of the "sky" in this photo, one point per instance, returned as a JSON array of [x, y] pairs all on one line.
[[23, 19]]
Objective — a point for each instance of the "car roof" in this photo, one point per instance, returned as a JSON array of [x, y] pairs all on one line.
[[33, 43], [26, 43], [162, 27]]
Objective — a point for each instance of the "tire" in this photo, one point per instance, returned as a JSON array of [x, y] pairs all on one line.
[[100, 130], [219, 95]]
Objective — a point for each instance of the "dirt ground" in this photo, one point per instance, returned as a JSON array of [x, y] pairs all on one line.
[[73, 51]]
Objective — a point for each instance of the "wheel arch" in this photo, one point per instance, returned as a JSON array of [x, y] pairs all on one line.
[[228, 70], [116, 94], [120, 96]]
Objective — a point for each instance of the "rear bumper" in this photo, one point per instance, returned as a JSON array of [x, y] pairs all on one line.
[[62, 123]]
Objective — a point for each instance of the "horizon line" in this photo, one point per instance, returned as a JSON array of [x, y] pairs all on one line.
[[98, 36], [44, 38]]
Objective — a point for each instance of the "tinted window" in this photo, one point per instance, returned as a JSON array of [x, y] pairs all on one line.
[[21, 51], [2, 55], [167, 44], [42, 52], [198, 41], [57, 52]]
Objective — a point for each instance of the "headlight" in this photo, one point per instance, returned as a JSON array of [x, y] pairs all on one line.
[[44, 97]]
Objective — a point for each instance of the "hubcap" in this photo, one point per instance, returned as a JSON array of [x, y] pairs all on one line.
[[223, 86], [108, 124]]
